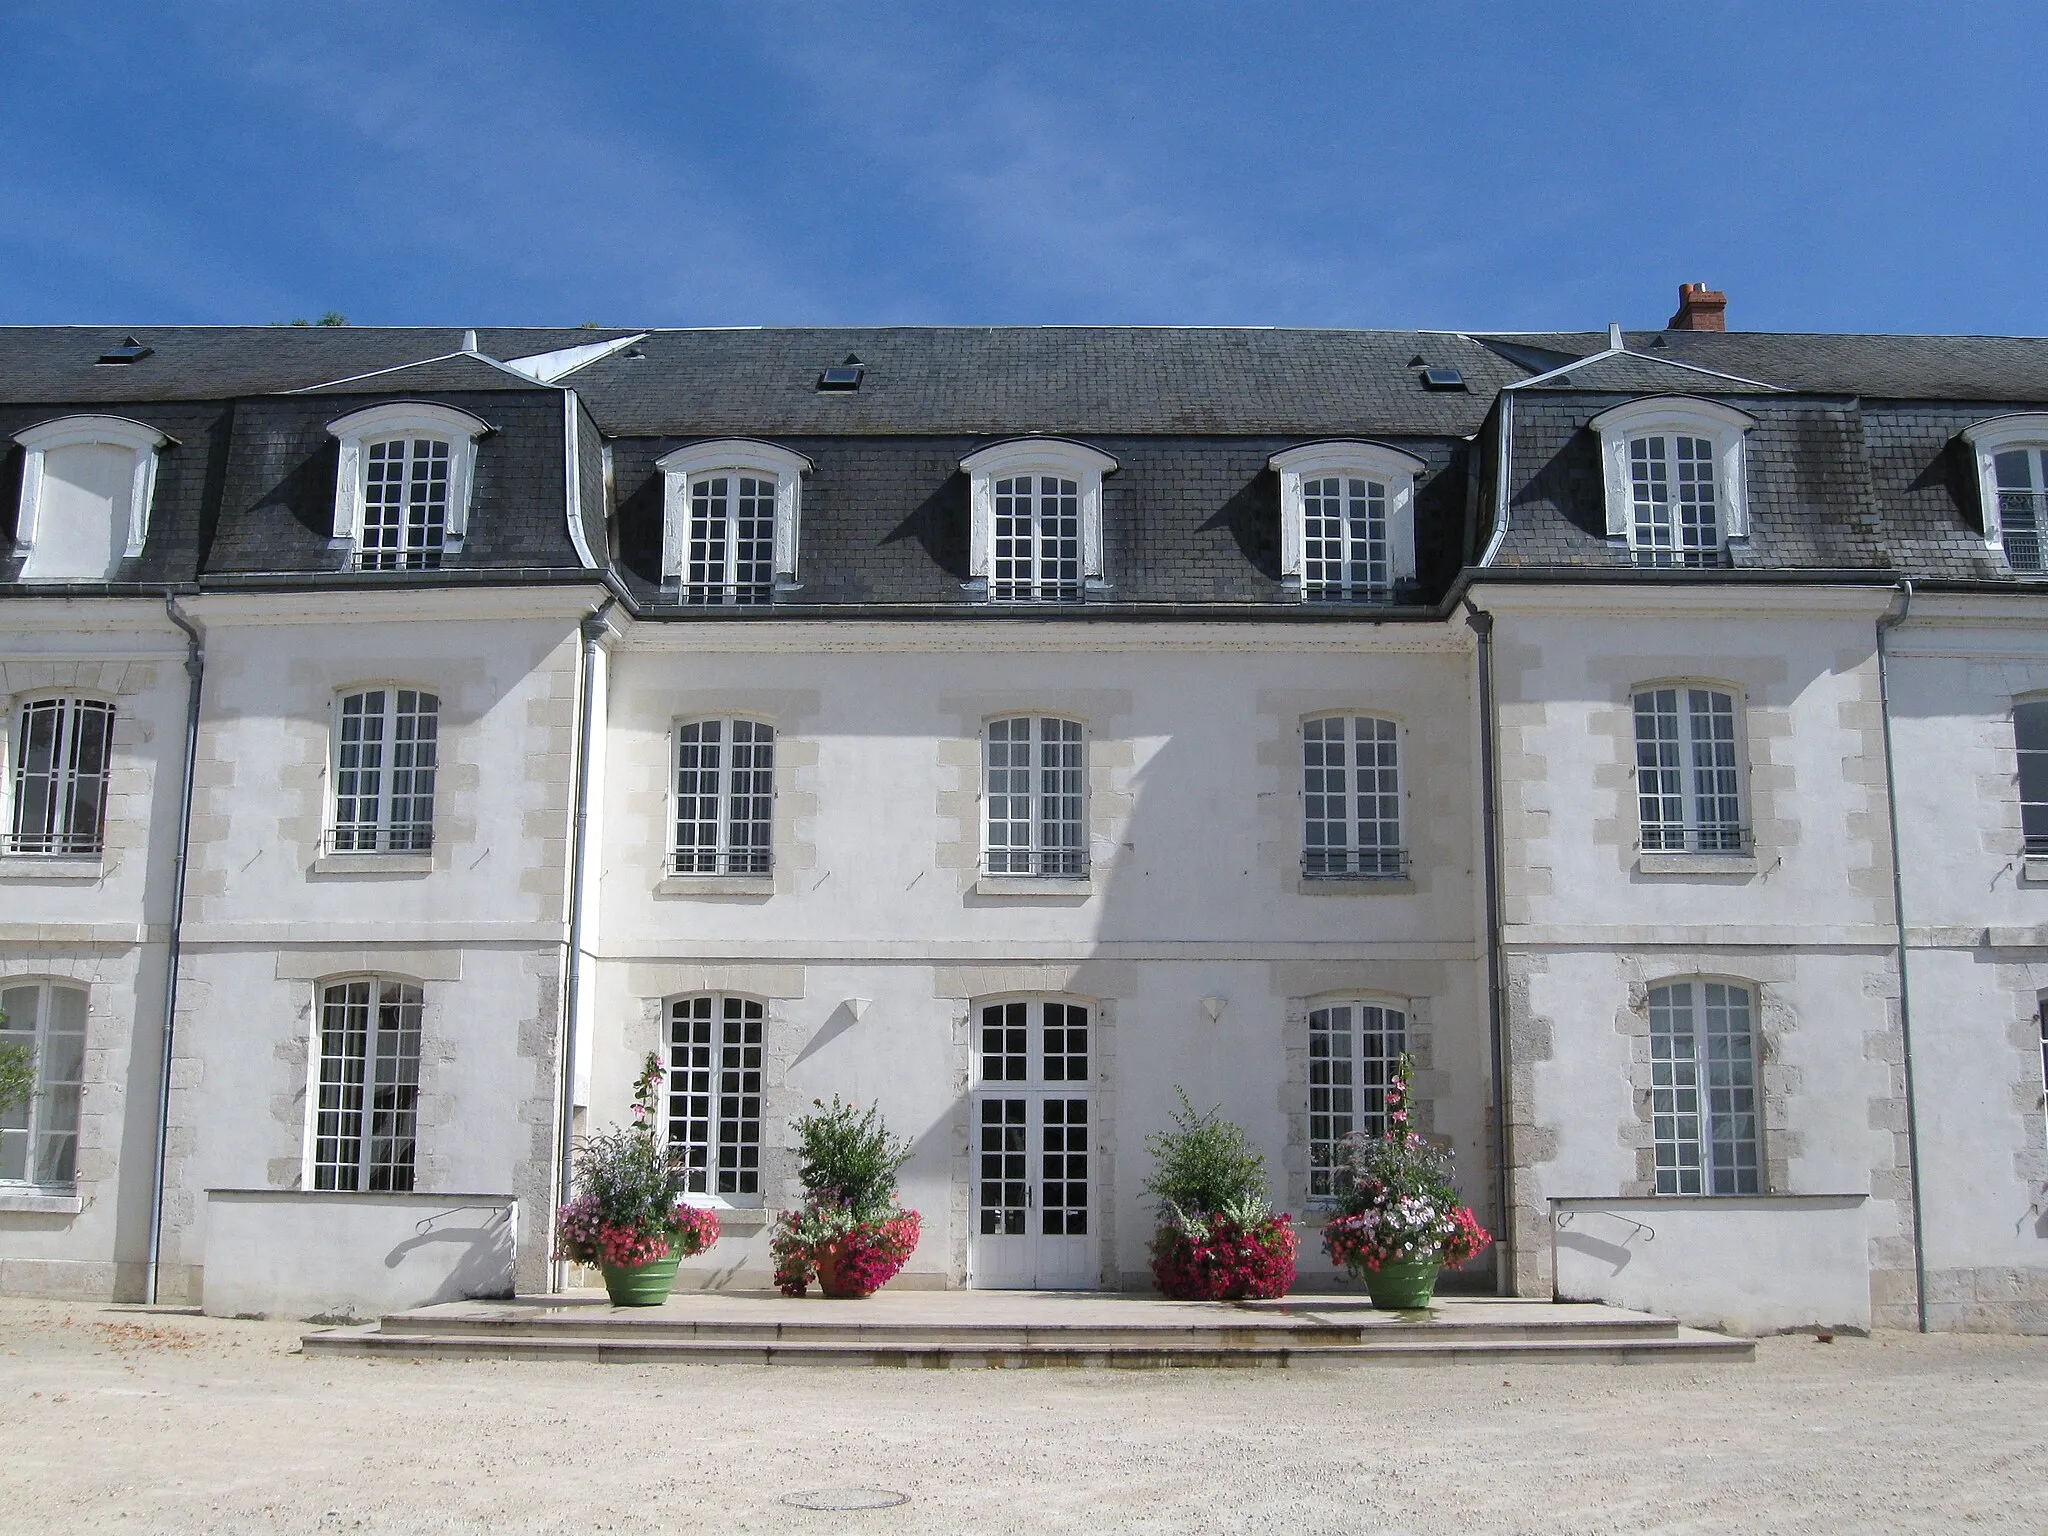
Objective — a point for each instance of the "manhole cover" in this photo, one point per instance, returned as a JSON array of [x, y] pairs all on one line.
[[848, 1498]]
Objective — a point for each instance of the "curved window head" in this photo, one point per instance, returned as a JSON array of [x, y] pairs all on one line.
[[1036, 504], [1034, 798], [1354, 1045], [402, 492], [1703, 1088], [366, 1117], [1674, 478], [63, 755], [2010, 454], [1347, 520], [730, 513], [39, 1139], [1351, 799], [86, 487], [714, 1095], [1689, 770], [725, 798], [386, 755]]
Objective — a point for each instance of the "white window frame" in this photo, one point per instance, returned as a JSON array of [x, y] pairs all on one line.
[[144, 442], [1347, 1094], [1670, 416], [1043, 858], [2033, 846], [1690, 1110], [390, 1064], [1727, 839], [1035, 456], [683, 468], [1986, 440], [1375, 463], [749, 859], [1353, 859], [348, 840], [410, 420], [65, 779], [715, 1079], [35, 1115]]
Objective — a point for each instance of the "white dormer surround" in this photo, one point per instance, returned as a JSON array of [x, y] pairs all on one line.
[[86, 487], [1033, 538], [404, 421], [1676, 487], [2010, 454], [717, 544], [1347, 519]]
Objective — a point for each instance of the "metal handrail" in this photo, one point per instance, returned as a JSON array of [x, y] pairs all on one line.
[[706, 863], [378, 840], [1039, 864], [1355, 864], [1722, 838]]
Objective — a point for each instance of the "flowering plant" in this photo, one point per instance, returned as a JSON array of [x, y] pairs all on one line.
[[851, 1235], [631, 1210], [1398, 1200], [1218, 1238]]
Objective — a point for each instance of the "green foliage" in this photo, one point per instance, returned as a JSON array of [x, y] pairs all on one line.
[[1206, 1166], [636, 1182], [17, 1074], [1377, 1171], [333, 317], [849, 1158]]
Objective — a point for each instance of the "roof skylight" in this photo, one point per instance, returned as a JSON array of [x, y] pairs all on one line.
[[130, 351]]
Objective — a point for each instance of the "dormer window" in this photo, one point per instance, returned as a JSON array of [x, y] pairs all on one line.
[[1037, 510], [2011, 454], [1673, 473], [401, 494], [86, 487], [1347, 521], [729, 521]]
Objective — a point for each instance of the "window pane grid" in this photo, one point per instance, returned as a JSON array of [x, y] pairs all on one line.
[[1345, 551], [386, 757], [1034, 793], [1352, 1051], [62, 760], [405, 505], [730, 556], [725, 798], [1674, 501], [2030, 735], [1703, 1089], [1351, 799], [39, 1138], [714, 1093], [1035, 545], [367, 1111], [1688, 777]]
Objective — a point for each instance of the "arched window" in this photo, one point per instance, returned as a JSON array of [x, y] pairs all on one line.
[[1689, 770], [63, 754], [714, 1094], [86, 487], [1351, 799], [366, 1116], [1675, 481], [386, 755], [402, 491], [729, 520], [2011, 455], [1703, 1087], [2030, 736], [725, 798], [39, 1139], [1347, 520], [1034, 793], [1353, 1047], [1037, 519]]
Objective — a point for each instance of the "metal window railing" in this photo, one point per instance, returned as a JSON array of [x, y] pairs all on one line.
[[1332, 592], [718, 594], [1036, 863], [1717, 837], [53, 845], [686, 862], [2023, 520], [403, 838], [1355, 864]]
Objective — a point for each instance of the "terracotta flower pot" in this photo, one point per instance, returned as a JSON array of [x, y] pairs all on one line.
[[830, 1280]]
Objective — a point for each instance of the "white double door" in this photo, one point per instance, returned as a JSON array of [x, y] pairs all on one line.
[[1034, 1186]]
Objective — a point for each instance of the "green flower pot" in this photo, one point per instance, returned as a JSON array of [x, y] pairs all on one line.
[[1403, 1285], [641, 1285]]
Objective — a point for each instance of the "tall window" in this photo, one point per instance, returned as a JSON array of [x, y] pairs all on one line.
[[1688, 778], [405, 504], [2023, 506], [386, 742], [714, 1093], [1345, 551], [39, 1139], [731, 557], [2041, 1014], [725, 797], [1033, 780], [1352, 1050], [1677, 518], [1351, 799], [62, 751], [368, 1113], [2030, 735], [1703, 1088], [1036, 553]]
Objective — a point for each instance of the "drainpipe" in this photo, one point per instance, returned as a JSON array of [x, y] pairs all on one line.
[[1886, 623], [1481, 625], [195, 670], [593, 629]]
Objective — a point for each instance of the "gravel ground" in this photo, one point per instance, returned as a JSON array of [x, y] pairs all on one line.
[[118, 1418]]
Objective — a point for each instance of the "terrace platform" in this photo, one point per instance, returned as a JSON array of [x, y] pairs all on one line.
[[999, 1329]]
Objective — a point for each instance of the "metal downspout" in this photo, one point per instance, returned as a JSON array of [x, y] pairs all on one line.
[[195, 670], [1885, 624], [1481, 624], [592, 630]]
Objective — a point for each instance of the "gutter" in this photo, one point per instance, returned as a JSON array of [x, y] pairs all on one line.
[[195, 669], [1481, 624], [592, 629], [1885, 624]]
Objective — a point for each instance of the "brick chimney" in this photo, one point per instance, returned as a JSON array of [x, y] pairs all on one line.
[[1699, 309]]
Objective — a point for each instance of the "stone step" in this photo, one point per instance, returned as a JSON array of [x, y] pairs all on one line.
[[639, 1348]]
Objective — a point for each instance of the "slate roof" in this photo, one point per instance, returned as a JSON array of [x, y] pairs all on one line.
[[458, 370]]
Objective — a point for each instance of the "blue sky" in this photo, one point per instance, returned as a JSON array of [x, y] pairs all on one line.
[[1833, 167]]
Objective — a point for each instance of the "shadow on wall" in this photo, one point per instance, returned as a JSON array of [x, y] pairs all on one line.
[[477, 1258]]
